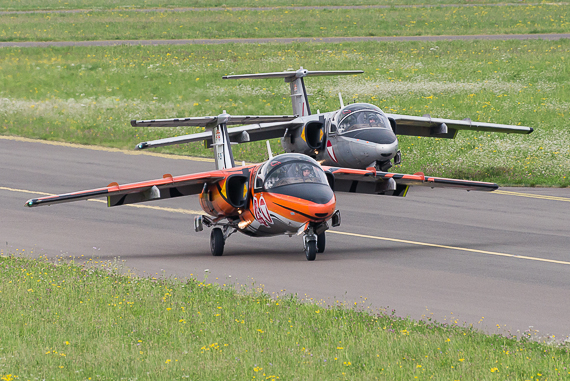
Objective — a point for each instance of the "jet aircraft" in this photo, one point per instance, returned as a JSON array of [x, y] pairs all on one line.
[[358, 135], [289, 194]]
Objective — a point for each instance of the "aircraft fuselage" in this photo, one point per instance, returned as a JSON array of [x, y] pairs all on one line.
[[276, 199]]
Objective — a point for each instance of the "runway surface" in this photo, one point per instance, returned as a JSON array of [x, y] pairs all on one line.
[[499, 261]]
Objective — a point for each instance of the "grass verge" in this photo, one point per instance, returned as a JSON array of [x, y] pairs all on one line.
[[65, 320], [23, 5], [320, 22]]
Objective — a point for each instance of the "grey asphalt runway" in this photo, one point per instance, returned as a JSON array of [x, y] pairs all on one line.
[[499, 261]]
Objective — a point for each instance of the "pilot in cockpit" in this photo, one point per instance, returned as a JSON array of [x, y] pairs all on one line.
[[368, 119], [307, 173], [374, 120]]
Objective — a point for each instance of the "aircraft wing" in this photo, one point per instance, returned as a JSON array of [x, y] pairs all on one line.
[[241, 134], [167, 187], [372, 181], [447, 128], [212, 121]]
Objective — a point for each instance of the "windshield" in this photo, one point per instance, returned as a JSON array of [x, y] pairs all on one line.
[[363, 119], [294, 172]]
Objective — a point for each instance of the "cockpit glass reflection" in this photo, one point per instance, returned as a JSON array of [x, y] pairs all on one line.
[[294, 173], [363, 119]]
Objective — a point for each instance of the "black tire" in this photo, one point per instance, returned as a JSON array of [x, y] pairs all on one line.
[[217, 242], [311, 250], [321, 242]]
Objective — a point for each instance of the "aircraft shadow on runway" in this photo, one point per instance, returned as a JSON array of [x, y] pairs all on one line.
[[364, 250]]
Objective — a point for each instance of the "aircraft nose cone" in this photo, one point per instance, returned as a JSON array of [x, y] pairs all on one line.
[[386, 151], [323, 210]]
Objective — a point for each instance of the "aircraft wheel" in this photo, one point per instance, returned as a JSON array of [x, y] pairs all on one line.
[[321, 242], [311, 250], [217, 242]]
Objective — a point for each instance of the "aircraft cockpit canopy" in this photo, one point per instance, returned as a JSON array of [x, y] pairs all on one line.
[[290, 169], [361, 115]]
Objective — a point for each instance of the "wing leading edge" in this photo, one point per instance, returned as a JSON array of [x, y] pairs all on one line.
[[371, 181], [167, 187]]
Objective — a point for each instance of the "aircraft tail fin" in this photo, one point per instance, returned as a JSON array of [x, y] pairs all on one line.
[[297, 84], [223, 155]]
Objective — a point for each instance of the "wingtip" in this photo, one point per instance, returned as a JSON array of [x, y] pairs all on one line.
[[133, 123], [142, 145], [31, 202], [531, 130]]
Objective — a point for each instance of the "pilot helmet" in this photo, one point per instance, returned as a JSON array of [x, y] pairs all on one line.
[[306, 168]]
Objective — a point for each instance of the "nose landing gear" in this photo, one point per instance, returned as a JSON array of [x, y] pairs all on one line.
[[310, 244]]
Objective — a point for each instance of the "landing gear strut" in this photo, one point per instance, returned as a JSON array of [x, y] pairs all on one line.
[[321, 242], [398, 158]]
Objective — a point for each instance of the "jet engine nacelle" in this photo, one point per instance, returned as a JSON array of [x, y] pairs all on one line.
[[306, 139], [226, 196]]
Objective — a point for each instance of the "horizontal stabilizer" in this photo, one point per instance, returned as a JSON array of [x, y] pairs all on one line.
[[294, 74]]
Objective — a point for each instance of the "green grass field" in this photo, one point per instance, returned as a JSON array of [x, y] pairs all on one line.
[[18, 5], [83, 320], [88, 95], [320, 22]]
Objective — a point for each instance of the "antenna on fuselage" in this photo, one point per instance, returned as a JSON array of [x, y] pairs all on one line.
[[269, 150], [340, 99], [295, 78]]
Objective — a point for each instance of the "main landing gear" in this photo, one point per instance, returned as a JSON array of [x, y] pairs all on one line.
[[314, 237], [217, 242], [218, 235]]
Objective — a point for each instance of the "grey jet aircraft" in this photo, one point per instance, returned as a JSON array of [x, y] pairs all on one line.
[[358, 135]]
